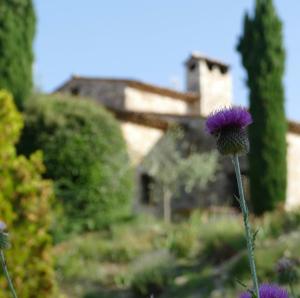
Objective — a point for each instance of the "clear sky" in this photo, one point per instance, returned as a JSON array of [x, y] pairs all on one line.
[[149, 40]]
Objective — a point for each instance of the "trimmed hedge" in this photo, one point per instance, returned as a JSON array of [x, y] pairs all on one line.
[[263, 56], [85, 155], [17, 31], [25, 207]]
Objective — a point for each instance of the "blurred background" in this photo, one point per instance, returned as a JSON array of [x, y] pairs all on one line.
[[110, 186], [150, 41]]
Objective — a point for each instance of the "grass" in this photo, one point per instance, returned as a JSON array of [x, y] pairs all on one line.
[[202, 257]]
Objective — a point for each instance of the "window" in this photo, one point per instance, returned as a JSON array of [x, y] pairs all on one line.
[[210, 65], [146, 182], [192, 66], [75, 91], [223, 69]]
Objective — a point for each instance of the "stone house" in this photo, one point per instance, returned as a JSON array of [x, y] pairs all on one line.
[[146, 111]]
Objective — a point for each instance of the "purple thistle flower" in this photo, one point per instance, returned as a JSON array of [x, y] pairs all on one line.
[[234, 117], [268, 291], [229, 127]]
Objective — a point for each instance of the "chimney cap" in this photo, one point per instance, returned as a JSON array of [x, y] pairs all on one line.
[[199, 56]]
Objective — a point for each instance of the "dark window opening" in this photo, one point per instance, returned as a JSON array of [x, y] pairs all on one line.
[[223, 69], [192, 66], [75, 91], [146, 183], [209, 65]]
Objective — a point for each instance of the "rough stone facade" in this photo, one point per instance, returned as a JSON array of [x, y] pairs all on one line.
[[107, 92], [145, 111], [293, 158], [140, 140], [141, 101]]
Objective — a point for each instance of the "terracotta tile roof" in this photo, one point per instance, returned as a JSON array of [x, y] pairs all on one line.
[[163, 121], [185, 96], [154, 119], [294, 127], [145, 119]]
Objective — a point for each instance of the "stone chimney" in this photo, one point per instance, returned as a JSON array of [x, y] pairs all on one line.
[[210, 79]]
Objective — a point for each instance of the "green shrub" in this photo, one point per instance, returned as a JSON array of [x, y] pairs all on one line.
[[85, 155], [151, 274], [222, 238], [17, 30], [263, 56], [184, 238], [278, 222], [24, 206], [267, 255], [266, 259]]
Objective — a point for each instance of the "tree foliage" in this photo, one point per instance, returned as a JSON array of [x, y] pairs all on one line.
[[85, 155], [263, 57], [25, 207], [174, 172], [17, 30]]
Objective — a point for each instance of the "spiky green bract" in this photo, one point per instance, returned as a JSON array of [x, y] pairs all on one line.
[[17, 30], [263, 57]]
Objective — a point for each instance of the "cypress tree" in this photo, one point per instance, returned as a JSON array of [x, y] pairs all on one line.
[[263, 57], [17, 30]]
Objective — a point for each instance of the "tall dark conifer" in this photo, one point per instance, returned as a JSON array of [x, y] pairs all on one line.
[[263, 56], [17, 30]]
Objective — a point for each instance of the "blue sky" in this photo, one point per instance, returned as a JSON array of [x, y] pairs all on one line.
[[149, 41]]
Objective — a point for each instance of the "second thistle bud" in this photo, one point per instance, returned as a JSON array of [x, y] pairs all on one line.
[[286, 270], [4, 237], [229, 128]]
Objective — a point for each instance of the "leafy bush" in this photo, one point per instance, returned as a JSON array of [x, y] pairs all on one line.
[[24, 206], [85, 155], [121, 244], [267, 255], [151, 274], [222, 238], [278, 222], [263, 56], [17, 31], [173, 172], [184, 238], [95, 260]]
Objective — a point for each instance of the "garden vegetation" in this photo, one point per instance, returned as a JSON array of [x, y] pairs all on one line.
[[85, 155], [263, 57], [17, 30], [25, 201]]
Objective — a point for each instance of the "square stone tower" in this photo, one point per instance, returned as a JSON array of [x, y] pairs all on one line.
[[211, 80]]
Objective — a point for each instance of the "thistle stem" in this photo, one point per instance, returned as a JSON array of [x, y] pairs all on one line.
[[292, 290], [249, 234], [9, 281]]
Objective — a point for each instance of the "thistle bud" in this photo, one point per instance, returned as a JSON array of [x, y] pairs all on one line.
[[228, 126], [286, 270], [4, 237]]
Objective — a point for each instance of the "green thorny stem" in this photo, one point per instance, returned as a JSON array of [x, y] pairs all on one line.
[[9, 281], [249, 234], [292, 290]]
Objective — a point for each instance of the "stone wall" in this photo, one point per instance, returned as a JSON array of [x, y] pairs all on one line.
[[141, 101], [293, 155], [140, 140], [110, 94]]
